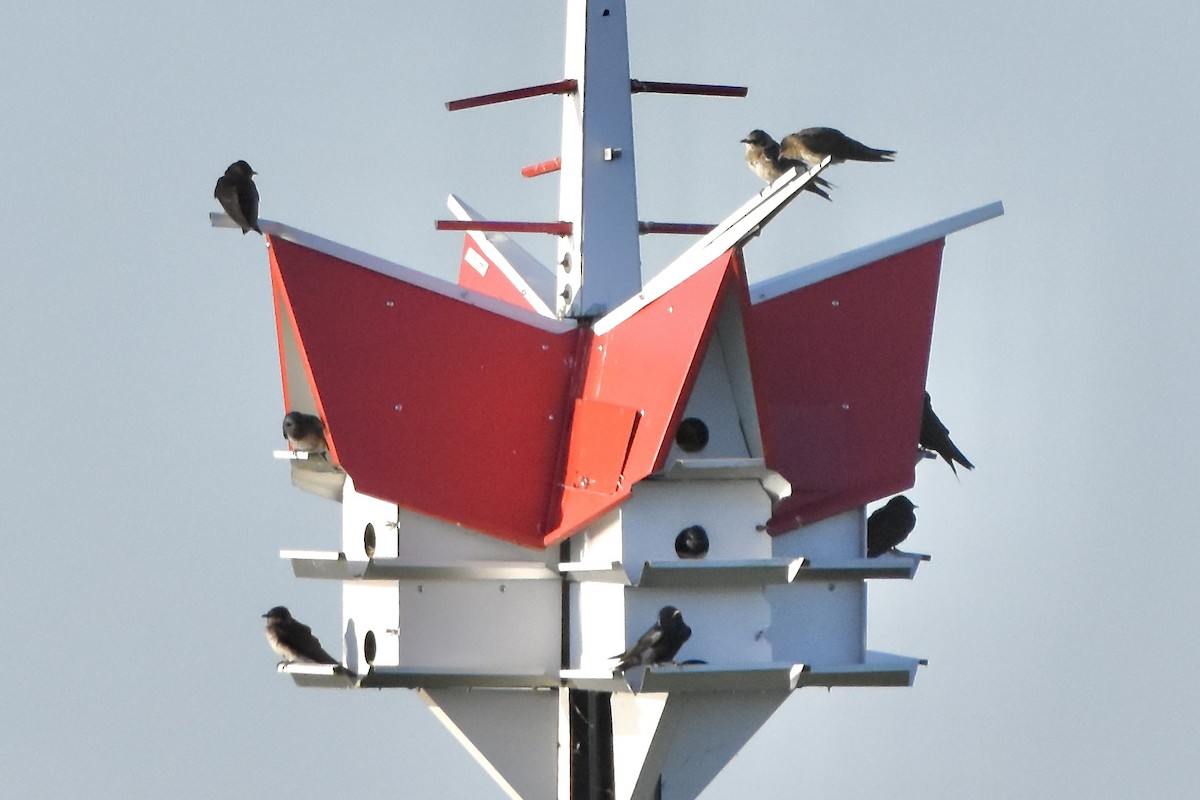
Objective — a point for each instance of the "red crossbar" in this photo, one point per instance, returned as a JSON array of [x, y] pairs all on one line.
[[556, 228], [712, 90], [674, 227], [533, 170], [561, 87]]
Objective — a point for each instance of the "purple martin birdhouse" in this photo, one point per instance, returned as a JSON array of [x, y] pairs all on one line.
[[603, 523]]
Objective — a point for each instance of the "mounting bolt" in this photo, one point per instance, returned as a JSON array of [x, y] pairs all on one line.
[[612, 153]]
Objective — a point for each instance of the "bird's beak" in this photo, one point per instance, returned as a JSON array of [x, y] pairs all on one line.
[[266, 615]]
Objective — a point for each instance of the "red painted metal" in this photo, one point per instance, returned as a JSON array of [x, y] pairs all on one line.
[[490, 281], [431, 403], [686, 228], [648, 365], [556, 228], [595, 461], [483, 420], [542, 168], [708, 89], [528, 435], [559, 87], [839, 370]]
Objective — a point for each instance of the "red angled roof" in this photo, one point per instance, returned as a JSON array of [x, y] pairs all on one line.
[[483, 413], [839, 372], [456, 408]]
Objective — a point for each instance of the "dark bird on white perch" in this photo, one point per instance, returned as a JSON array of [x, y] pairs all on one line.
[[238, 195], [659, 644], [294, 641], [890, 525]]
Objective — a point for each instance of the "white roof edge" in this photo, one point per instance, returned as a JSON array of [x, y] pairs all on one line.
[[853, 259], [505, 254], [731, 232], [400, 272]]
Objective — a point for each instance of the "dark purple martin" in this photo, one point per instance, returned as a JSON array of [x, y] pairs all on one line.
[[813, 144], [890, 525], [659, 644], [304, 432], [295, 643], [762, 154], [238, 195], [936, 437]]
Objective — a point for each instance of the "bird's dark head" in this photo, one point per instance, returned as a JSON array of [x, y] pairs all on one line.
[[758, 138], [900, 501], [668, 614], [298, 425], [278, 614], [240, 168]]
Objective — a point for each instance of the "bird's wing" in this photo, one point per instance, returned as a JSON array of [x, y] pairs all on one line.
[[635, 652], [247, 194], [796, 145], [299, 638], [227, 195]]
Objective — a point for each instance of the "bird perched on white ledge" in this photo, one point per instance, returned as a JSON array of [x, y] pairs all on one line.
[[304, 432], [887, 527], [295, 643], [238, 195], [659, 644], [762, 154]]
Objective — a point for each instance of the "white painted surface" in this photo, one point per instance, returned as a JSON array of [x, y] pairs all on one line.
[[700, 733], [684, 738], [359, 511], [635, 721], [712, 402], [406, 274], [481, 625], [817, 623], [371, 607], [597, 625], [731, 232], [728, 510], [820, 622], [599, 196], [513, 735], [731, 337], [822, 270], [837, 538], [427, 540]]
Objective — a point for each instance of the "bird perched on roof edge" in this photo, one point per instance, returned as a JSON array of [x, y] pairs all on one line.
[[762, 154], [238, 195], [659, 644], [813, 144], [936, 437], [890, 525], [304, 432]]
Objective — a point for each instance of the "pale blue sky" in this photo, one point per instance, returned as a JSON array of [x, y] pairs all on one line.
[[141, 512]]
